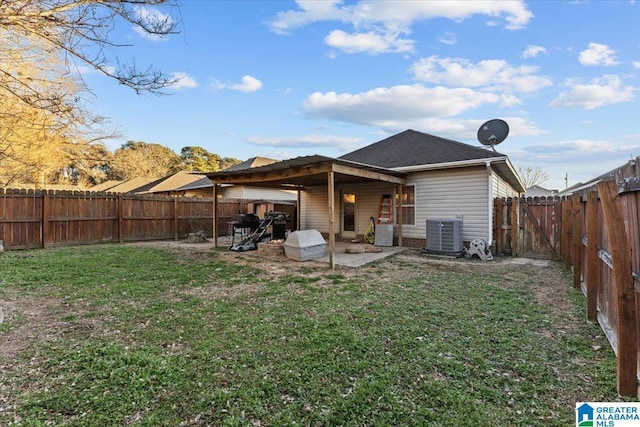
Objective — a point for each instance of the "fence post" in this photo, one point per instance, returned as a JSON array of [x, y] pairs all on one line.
[[576, 217], [515, 225], [175, 219], [566, 233], [45, 218], [497, 225], [627, 339], [215, 215], [592, 275], [120, 218]]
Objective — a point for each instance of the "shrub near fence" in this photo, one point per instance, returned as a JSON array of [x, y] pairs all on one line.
[[32, 219]]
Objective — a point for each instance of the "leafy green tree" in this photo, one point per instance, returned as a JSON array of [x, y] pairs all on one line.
[[142, 159], [87, 165], [198, 159]]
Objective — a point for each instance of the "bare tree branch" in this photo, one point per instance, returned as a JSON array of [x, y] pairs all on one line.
[[80, 30], [532, 176]]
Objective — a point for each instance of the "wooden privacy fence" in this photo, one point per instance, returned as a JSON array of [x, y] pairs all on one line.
[[602, 245], [32, 219], [596, 233], [529, 227]]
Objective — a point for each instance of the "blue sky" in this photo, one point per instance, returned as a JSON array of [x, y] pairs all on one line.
[[283, 79]]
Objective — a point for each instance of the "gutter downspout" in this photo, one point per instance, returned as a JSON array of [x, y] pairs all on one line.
[[490, 202]]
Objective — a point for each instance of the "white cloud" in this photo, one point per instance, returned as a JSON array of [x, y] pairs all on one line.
[[381, 106], [636, 64], [598, 54], [310, 11], [493, 73], [605, 90], [532, 51], [249, 84], [389, 20], [306, 141], [448, 38], [217, 85], [369, 42], [183, 81], [149, 15]]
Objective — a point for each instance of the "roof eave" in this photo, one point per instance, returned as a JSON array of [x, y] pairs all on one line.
[[514, 179], [448, 165]]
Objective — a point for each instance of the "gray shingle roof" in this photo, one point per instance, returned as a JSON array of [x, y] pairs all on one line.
[[170, 182], [253, 162], [412, 148]]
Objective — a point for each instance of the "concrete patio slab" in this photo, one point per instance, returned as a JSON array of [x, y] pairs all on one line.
[[343, 259]]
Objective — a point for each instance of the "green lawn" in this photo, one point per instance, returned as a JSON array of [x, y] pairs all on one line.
[[113, 335]]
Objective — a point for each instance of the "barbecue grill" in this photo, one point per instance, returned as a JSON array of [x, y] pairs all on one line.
[[276, 220], [250, 221]]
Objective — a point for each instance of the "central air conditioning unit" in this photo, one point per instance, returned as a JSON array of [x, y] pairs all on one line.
[[444, 237]]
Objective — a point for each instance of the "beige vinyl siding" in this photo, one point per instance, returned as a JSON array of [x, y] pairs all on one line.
[[367, 202], [257, 193], [314, 208], [231, 192], [450, 194], [243, 192], [441, 194], [501, 188]]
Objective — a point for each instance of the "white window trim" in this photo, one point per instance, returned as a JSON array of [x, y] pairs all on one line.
[[414, 205]]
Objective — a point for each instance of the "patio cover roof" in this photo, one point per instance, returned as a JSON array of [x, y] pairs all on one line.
[[307, 171]]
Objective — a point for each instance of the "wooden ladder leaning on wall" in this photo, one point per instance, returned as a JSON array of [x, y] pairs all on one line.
[[385, 211]]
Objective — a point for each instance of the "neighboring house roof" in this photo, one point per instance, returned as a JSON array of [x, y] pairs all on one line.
[[202, 182], [169, 183], [412, 148], [253, 162], [105, 186], [130, 185], [539, 191]]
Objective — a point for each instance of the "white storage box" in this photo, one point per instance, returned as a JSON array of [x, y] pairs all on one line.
[[304, 245]]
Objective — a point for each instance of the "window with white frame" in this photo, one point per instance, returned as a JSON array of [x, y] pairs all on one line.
[[408, 205]]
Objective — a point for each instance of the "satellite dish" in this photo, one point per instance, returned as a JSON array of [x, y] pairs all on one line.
[[493, 132]]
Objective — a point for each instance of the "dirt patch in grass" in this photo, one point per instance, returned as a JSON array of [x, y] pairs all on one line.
[[548, 282], [33, 320]]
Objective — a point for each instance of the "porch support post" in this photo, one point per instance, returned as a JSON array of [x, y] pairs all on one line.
[[331, 204], [399, 218], [298, 209], [215, 215]]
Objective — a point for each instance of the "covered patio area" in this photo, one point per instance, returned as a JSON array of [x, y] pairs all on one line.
[[311, 171]]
